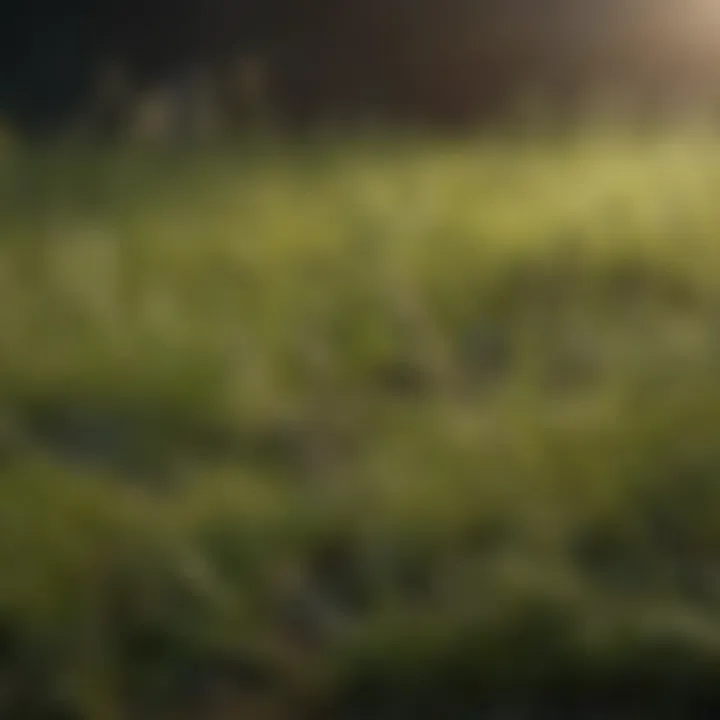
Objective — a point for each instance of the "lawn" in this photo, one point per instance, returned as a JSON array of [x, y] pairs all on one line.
[[361, 427]]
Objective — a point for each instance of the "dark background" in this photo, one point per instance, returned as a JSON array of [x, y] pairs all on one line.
[[418, 60]]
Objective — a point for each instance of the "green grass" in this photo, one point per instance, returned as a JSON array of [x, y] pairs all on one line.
[[366, 427]]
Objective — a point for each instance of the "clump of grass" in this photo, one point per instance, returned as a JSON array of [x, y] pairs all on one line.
[[360, 429]]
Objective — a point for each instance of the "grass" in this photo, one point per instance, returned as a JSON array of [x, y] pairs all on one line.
[[365, 427]]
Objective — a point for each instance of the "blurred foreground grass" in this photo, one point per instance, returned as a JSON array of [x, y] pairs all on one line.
[[371, 428]]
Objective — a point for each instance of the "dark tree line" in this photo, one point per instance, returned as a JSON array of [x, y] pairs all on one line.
[[446, 60]]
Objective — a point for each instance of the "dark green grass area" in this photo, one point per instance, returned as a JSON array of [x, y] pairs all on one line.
[[365, 428]]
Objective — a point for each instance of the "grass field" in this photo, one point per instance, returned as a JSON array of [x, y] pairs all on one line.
[[361, 428]]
